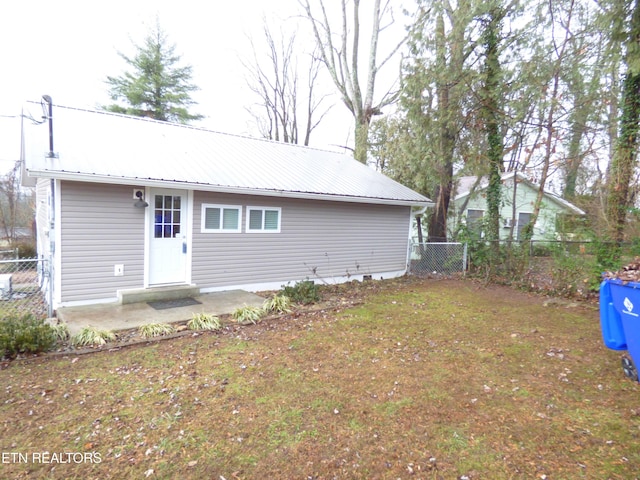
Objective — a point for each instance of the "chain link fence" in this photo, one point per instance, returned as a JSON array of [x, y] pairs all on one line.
[[444, 258], [24, 287]]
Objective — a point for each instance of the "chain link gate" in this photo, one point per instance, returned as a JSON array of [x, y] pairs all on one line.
[[444, 258], [25, 287]]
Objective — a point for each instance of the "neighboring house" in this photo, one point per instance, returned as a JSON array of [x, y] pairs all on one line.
[[125, 203], [516, 207]]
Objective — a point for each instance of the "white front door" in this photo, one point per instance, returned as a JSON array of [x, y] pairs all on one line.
[[168, 236]]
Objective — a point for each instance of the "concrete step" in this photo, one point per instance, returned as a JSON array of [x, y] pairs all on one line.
[[157, 293]]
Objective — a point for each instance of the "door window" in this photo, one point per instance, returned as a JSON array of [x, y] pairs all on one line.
[[167, 216]]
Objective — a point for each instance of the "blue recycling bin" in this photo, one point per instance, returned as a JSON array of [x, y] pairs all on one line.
[[620, 320]]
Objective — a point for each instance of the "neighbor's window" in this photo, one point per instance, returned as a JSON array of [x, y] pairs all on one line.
[[523, 220], [221, 218], [263, 219], [474, 220]]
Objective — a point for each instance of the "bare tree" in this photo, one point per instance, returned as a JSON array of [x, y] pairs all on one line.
[[342, 62], [276, 83], [16, 210]]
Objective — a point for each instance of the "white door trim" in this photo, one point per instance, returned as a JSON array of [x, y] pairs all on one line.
[[148, 232]]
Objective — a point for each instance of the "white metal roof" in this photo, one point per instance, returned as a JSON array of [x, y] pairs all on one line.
[[105, 147], [466, 183]]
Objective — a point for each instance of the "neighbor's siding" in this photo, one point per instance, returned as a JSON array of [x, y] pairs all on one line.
[[545, 226], [318, 240], [100, 228]]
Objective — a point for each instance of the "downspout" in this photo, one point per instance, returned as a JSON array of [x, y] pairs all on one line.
[[417, 214]]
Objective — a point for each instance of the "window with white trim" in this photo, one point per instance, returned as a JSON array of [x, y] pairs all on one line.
[[263, 219], [221, 218]]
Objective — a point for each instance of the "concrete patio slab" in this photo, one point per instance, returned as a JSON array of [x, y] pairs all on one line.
[[114, 317]]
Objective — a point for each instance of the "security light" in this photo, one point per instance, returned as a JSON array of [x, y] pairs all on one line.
[[140, 203]]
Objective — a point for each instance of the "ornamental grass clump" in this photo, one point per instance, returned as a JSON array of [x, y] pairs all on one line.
[[277, 304], [204, 321], [248, 315], [151, 330], [91, 336], [60, 332]]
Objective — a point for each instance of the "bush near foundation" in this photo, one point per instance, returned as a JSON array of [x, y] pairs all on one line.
[[25, 334], [305, 292]]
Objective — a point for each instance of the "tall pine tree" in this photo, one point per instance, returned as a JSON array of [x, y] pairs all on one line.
[[157, 87]]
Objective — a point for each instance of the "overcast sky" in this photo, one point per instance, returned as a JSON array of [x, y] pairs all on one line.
[[66, 48]]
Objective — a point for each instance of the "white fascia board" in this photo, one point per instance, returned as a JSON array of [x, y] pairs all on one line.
[[90, 178], [565, 204]]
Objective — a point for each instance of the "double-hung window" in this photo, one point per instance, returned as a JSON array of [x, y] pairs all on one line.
[[474, 221], [221, 218], [263, 219]]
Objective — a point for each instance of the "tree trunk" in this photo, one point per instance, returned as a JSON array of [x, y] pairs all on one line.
[[491, 111], [578, 125], [438, 219], [447, 112], [575, 154], [361, 140], [624, 158]]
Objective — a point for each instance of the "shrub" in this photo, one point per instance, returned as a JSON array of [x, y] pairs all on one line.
[[90, 336], [150, 330], [576, 273], [246, 314], [26, 250], [204, 321], [304, 292], [277, 304], [571, 274], [25, 334], [607, 255]]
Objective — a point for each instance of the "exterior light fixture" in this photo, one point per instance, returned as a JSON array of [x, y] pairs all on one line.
[[140, 203]]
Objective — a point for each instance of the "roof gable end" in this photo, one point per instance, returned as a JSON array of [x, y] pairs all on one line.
[[466, 183]]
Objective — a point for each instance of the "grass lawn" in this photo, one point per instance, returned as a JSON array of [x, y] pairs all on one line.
[[423, 379]]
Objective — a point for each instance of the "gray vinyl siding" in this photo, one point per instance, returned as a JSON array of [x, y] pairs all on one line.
[[318, 239], [100, 228]]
